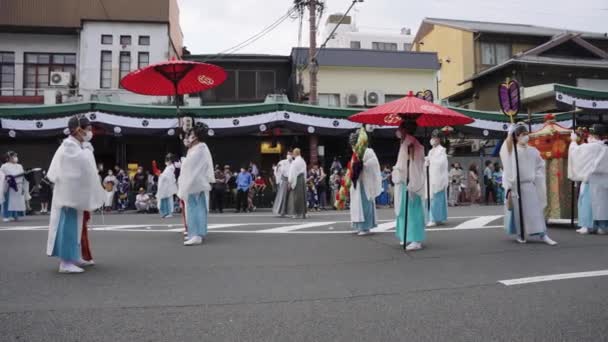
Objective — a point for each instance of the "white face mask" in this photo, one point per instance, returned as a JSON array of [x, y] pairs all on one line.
[[592, 139], [289, 157], [15, 160], [88, 136], [398, 134], [523, 140], [167, 163], [434, 142]]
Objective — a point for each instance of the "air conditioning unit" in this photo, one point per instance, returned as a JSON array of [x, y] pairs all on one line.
[[353, 99], [374, 98], [60, 79]]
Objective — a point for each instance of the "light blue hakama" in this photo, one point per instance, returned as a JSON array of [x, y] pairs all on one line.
[[439, 208], [415, 218], [166, 206], [9, 213], [585, 210], [67, 245], [368, 212], [196, 214]]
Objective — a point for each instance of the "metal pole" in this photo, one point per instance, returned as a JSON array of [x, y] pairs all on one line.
[[407, 197], [522, 233], [428, 178], [312, 52], [573, 183]]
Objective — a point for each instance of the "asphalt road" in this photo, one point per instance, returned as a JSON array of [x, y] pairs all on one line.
[[260, 278]]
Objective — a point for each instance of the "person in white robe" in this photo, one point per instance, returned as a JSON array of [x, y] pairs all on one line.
[[13, 205], [110, 183], [2, 185], [588, 163], [364, 190], [281, 174], [409, 183], [194, 185], [437, 162], [533, 186], [77, 189], [167, 187], [297, 186]]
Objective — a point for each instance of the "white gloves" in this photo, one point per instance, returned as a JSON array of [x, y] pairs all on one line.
[[573, 137], [511, 129]]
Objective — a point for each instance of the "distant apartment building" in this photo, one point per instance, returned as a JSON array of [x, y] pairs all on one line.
[[348, 35], [78, 50]]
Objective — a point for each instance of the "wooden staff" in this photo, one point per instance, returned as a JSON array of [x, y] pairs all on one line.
[[522, 233]]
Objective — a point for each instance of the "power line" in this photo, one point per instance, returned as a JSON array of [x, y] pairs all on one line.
[[103, 6], [256, 36]]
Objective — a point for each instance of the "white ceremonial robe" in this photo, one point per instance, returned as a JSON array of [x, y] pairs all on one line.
[[589, 163], [76, 184], [438, 170], [416, 172], [16, 199], [282, 171], [533, 189], [2, 185], [196, 173], [297, 167], [371, 179], [167, 184], [109, 200]]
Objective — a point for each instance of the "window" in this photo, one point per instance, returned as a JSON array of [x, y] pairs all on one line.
[[38, 66], [106, 39], [243, 85], [144, 40], [494, 53], [384, 46], [125, 40], [7, 73], [125, 64], [329, 100], [392, 97], [265, 84], [143, 59], [246, 85], [106, 70], [355, 44]]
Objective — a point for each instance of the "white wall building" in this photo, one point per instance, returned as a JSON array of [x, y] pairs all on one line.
[[349, 36], [76, 55]]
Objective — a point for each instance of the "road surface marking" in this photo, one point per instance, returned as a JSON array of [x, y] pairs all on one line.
[[551, 277], [291, 228], [477, 222], [383, 227]]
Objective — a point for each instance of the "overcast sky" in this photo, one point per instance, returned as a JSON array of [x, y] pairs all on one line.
[[212, 26]]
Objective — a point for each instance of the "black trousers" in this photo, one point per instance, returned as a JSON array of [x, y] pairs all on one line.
[[218, 199], [490, 190], [241, 200]]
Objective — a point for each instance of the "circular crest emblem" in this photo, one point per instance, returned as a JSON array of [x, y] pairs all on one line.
[[236, 122], [203, 79], [145, 123], [392, 119], [336, 123], [210, 133], [93, 117], [594, 104], [286, 116], [505, 126], [560, 96], [39, 124]]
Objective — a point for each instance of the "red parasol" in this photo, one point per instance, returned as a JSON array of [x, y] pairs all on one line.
[[174, 77], [427, 114]]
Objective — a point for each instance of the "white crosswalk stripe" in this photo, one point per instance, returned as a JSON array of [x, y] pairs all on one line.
[[291, 228]]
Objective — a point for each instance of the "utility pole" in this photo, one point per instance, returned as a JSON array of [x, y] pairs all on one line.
[[312, 52]]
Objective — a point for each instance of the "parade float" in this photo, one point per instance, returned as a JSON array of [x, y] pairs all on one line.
[[552, 140]]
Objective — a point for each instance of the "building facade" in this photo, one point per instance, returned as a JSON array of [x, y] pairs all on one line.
[[360, 78], [79, 50], [468, 48], [348, 35]]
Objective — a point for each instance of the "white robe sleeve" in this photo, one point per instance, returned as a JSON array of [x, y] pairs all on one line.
[[196, 172], [540, 180], [372, 175], [508, 164], [438, 170], [2, 185]]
